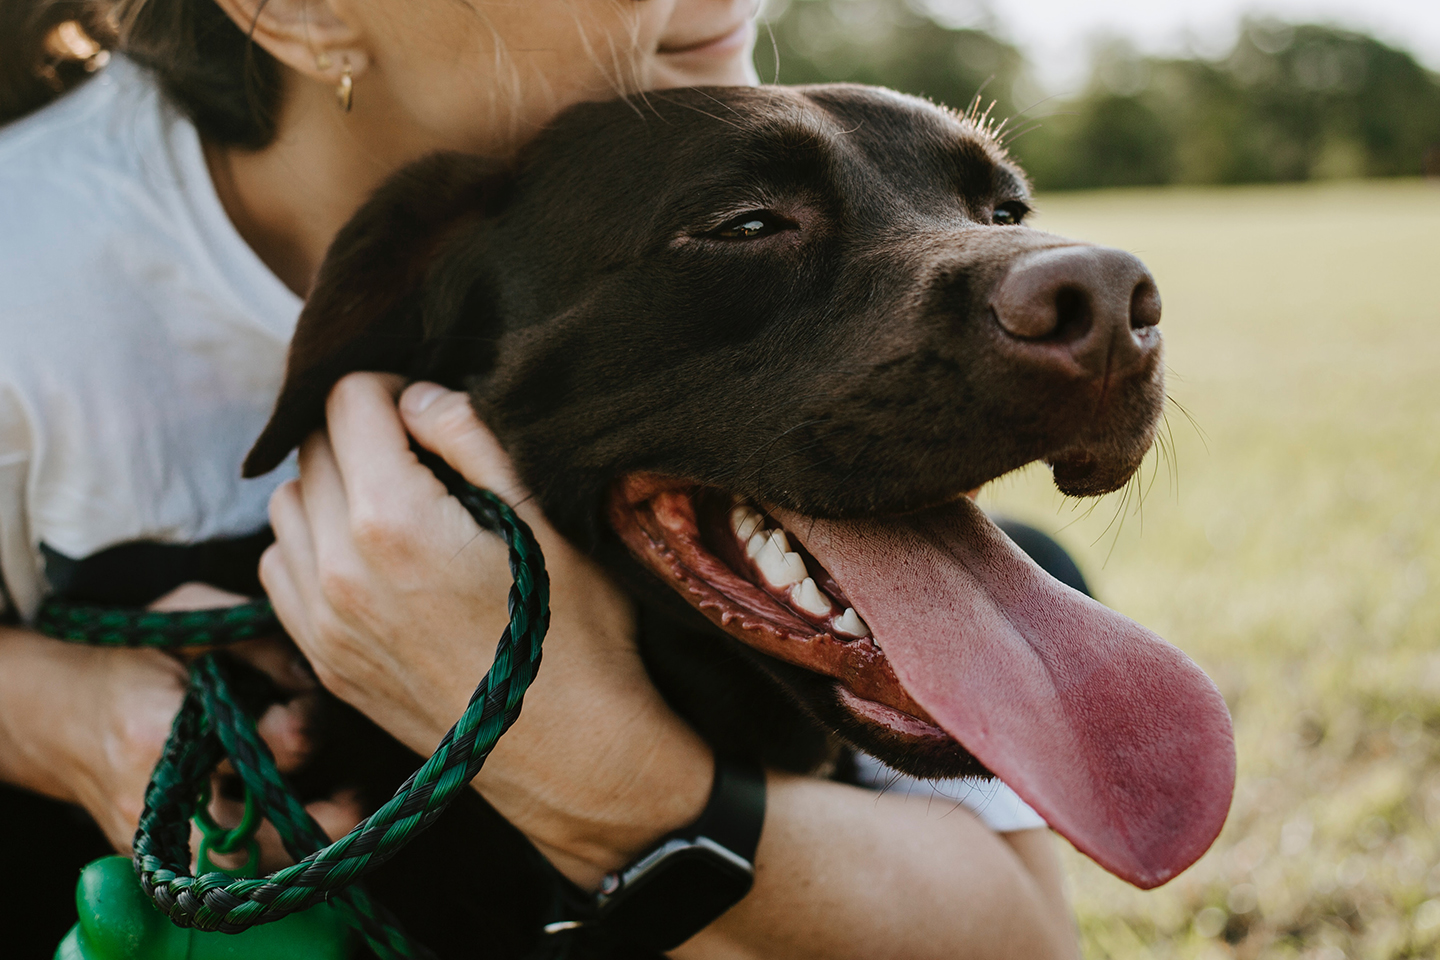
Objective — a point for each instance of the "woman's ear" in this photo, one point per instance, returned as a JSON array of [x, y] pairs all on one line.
[[370, 309], [312, 37]]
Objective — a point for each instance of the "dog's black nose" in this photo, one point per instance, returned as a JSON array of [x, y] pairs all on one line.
[[1092, 306]]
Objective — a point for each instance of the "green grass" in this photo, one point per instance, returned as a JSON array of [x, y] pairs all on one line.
[[1291, 545]]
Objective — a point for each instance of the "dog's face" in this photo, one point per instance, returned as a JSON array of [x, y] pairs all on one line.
[[753, 347]]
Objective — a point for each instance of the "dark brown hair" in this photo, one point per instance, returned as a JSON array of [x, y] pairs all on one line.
[[207, 65]]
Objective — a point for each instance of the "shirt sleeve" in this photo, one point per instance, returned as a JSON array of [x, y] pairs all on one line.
[[19, 580], [996, 805]]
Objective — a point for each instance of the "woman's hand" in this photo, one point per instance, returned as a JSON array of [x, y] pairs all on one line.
[[397, 598], [87, 725]]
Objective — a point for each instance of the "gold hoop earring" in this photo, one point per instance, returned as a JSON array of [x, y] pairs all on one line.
[[345, 90]]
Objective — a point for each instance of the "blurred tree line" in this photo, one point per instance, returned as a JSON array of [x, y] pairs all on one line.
[[1288, 102]]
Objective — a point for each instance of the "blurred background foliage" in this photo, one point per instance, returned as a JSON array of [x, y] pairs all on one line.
[[1288, 102]]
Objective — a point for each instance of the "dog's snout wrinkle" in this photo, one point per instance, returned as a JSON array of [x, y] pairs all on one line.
[[1090, 309]]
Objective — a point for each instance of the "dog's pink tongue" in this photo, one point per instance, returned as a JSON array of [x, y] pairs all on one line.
[[1119, 741]]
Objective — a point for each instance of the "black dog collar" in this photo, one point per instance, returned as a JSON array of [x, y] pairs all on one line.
[[691, 876]]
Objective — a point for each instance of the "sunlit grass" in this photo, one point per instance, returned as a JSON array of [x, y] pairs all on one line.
[[1293, 549]]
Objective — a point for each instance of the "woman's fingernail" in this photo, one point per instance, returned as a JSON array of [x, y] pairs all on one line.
[[420, 396]]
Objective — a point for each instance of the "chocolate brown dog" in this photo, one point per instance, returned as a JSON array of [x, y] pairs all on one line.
[[751, 347]]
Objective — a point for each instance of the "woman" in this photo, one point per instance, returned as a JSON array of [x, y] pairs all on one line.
[[153, 260]]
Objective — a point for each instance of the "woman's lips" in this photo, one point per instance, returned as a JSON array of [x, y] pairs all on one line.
[[721, 45]]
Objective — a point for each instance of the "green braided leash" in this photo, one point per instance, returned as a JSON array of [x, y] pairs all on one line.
[[218, 716], [211, 726], [124, 627]]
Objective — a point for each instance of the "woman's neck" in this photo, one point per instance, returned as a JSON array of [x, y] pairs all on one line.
[[290, 198]]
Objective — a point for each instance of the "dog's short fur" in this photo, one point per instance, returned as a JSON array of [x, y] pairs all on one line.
[[613, 318]]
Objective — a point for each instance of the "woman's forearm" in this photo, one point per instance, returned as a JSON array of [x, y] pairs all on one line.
[[842, 872], [84, 724], [31, 666]]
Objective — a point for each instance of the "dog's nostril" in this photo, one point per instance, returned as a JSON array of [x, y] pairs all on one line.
[[1073, 314], [1144, 305]]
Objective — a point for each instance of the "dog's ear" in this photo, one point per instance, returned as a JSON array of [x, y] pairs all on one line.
[[367, 310]]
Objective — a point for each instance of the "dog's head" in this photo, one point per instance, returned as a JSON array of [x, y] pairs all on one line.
[[759, 343]]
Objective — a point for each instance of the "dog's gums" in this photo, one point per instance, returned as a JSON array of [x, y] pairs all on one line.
[[750, 581]]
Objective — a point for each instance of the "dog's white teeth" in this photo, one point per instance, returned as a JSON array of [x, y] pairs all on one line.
[[745, 522], [772, 544], [780, 570], [755, 544], [808, 598], [738, 515], [795, 571], [850, 625]]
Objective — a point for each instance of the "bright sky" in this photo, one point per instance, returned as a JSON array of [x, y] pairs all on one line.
[[1055, 33]]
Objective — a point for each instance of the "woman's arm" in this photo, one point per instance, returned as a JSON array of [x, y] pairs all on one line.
[[86, 725], [397, 599], [842, 872]]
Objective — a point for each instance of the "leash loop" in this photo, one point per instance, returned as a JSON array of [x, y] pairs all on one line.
[[212, 726], [218, 839]]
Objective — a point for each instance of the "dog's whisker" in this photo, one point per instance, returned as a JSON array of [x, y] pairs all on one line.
[[1037, 103], [715, 99], [1156, 457], [1117, 523], [769, 465], [705, 113], [1199, 430], [1172, 455], [1015, 134], [774, 50], [781, 436]]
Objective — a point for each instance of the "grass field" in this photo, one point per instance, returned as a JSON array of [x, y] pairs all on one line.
[[1291, 545]]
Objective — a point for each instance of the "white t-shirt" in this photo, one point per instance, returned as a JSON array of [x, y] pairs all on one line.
[[142, 341], [996, 805]]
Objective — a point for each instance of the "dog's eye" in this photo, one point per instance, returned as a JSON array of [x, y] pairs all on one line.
[[1009, 214], [749, 226]]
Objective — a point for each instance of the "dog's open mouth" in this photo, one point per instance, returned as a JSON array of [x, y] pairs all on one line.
[[744, 571], [935, 626]]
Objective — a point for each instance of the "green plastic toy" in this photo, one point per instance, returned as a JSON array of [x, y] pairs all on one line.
[[119, 922]]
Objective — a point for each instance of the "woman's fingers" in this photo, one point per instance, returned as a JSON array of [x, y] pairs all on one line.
[[332, 521], [336, 815], [445, 423], [197, 596], [285, 730], [288, 568], [369, 443], [278, 659], [373, 510]]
